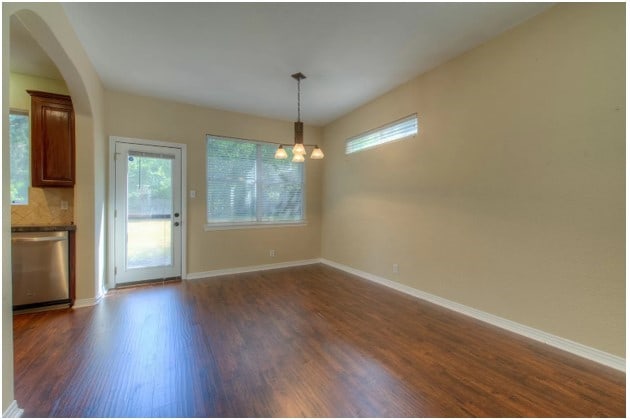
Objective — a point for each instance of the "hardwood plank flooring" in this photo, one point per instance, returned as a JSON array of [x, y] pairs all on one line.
[[308, 341]]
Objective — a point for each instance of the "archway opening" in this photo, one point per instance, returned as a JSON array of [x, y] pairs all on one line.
[[49, 27]]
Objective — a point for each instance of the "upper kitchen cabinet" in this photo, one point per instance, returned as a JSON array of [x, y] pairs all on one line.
[[52, 140]]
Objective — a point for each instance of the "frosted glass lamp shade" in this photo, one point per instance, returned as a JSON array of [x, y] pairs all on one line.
[[281, 153], [317, 153], [299, 149], [297, 158]]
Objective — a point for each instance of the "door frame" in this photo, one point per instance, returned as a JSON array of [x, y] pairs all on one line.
[[111, 224]]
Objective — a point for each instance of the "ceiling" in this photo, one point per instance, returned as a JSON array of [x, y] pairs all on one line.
[[239, 56]]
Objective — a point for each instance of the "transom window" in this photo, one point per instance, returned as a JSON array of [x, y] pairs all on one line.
[[247, 186], [397, 130]]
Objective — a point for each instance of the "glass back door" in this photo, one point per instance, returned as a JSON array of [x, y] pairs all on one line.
[[147, 212]]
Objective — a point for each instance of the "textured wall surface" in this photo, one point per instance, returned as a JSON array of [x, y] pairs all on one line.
[[44, 208]]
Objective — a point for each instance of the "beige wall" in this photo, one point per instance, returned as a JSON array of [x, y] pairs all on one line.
[[511, 199], [20, 83], [152, 119], [44, 204]]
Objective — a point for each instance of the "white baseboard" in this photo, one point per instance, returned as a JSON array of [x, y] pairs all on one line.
[[567, 345], [87, 302], [244, 269], [13, 411]]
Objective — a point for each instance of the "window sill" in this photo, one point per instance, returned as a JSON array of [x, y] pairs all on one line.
[[239, 226]]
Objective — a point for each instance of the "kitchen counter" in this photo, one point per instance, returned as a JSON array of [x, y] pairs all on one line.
[[28, 229]]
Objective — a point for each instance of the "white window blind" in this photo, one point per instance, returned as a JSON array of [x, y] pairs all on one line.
[[397, 130], [247, 185]]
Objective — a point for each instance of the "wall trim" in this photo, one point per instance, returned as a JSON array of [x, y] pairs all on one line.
[[245, 269], [567, 345], [13, 411], [87, 302]]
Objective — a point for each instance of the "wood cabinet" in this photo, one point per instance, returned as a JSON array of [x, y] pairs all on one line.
[[52, 140]]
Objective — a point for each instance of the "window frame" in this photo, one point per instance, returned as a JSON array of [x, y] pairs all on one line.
[[27, 114], [380, 129], [233, 225]]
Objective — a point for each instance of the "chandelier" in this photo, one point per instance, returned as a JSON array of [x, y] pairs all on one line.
[[299, 148]]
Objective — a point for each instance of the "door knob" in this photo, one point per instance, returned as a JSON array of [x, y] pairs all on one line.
[[176, 223], [176, 214]]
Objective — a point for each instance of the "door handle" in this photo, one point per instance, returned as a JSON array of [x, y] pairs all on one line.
[[39, 239], [176, 223]]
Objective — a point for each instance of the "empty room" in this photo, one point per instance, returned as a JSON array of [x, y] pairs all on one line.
[[313, 210]]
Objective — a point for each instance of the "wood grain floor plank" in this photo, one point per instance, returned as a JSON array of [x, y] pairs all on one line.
[[308, 341]]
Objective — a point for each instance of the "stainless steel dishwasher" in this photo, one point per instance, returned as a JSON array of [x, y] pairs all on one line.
[[40, 269]]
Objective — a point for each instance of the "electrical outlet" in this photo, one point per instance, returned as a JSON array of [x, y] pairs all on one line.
[[64, 205], [193, 193], [272, 253], [395, 268]]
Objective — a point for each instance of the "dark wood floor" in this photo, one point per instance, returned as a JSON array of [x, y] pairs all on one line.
[[308, 341]]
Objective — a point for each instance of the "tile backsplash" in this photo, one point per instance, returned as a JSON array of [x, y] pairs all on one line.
[[44, 208]]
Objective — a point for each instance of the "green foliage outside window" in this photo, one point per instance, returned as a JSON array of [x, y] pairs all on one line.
[[149, 187], [19, 150]]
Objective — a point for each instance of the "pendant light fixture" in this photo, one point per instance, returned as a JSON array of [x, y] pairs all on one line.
[[298, 127], [298, 149], [317, 153], [281, 153]]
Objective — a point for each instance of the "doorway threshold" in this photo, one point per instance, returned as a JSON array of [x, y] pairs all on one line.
[[148, 283]]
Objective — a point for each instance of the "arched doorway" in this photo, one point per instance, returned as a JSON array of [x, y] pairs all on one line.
[[49, 26]]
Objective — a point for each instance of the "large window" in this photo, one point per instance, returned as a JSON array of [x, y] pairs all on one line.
[[397, 130], [19, 151], [248, 186]]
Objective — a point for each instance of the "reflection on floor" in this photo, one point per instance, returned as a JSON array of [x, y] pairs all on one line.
[[306, 341]]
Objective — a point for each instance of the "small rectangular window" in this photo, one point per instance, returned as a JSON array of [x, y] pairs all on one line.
[[248, 186], [19, 151], [397, 130]]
